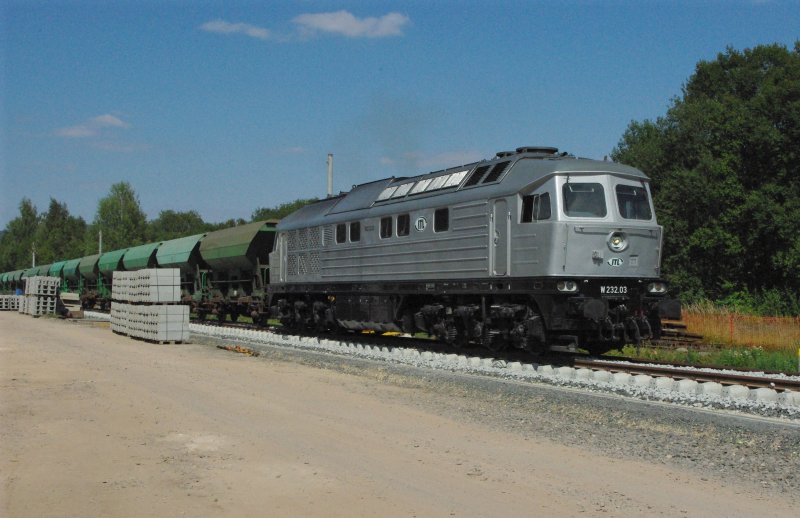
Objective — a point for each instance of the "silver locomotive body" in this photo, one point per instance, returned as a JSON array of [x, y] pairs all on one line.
[[532, 249]]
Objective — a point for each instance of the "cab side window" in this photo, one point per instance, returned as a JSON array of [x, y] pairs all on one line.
[[535, 207]]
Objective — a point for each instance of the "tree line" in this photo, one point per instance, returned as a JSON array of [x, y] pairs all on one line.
[[56, 235], [725, 177]]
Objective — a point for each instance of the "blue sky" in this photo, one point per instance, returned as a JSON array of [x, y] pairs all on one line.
[[225, 106]]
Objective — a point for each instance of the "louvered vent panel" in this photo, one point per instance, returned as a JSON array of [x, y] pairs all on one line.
[[292, 240], [315, 238], [313, 263], [302, 264]]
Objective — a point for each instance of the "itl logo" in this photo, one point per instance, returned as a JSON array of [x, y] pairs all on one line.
[[420, 224], [615, 261]]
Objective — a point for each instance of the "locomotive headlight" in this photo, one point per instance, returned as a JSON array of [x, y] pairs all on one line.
[[657, 288], [617, 242], [567, 286]]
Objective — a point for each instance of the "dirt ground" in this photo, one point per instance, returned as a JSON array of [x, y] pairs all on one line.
[[94, 424]]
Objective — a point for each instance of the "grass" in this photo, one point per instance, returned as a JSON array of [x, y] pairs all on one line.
[[721, 326], [736, 357], [744, 341]]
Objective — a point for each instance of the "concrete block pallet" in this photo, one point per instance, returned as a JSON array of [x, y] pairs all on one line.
[[144, 306], [42, 286], [41, 296], [10, 302], [151, 286]]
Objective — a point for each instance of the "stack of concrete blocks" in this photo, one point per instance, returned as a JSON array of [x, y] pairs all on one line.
[[146, 304], [41, 296], [10, 302]]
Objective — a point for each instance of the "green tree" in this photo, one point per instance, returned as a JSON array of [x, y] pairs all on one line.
[[121, 220], [726, 175], [59, 236], [226, 224], [171, 225], [16, 244], [280, 211]]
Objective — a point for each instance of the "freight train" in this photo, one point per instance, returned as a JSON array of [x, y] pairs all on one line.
[[532, 249], [223, 273]]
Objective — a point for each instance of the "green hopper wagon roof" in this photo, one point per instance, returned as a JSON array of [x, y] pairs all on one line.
[[16, 275], [237, 248], [37, 270], [71, 269], [110, 261], [177, 253], [56, 268], [141, 256], [88, 266]]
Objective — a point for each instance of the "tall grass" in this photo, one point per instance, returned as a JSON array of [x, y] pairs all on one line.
[[727, 328]]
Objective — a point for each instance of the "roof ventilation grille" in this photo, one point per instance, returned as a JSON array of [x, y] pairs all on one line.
[[538, 150]]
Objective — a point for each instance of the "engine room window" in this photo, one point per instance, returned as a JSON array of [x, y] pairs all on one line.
[[341, 233], [633, 202], [496, 171], [386, 227], [441, 220], [476, 176], [355, 231], [535, 207], [584, 200], [403, 224]]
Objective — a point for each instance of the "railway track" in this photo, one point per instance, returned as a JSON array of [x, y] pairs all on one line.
[[702, 374], [721, 375], [761, 393]]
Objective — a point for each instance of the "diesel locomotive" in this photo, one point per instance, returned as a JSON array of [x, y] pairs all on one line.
[[533, 249]]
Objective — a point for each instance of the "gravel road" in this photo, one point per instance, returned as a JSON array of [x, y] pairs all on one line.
[[98, 424]]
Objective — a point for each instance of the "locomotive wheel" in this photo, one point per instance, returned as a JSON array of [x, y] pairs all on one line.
[[494, 341], [221, 316], [234, 316]]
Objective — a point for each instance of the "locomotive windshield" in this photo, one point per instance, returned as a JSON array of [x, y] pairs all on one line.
[[584, 200], [633, 202]]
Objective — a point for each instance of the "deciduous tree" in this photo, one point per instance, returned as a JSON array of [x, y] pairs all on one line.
[[726, 173]]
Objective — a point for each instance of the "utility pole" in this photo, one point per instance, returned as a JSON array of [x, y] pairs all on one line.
[[33, 255], [330, 175], [101, 242]]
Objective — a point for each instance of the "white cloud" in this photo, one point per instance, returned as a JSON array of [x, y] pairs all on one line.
[[223, 27], [345, 24], [92, 127]]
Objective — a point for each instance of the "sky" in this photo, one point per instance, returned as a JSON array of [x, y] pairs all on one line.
[[223, 107]]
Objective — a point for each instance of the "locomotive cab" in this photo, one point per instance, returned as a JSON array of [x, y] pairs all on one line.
[[604, 254]]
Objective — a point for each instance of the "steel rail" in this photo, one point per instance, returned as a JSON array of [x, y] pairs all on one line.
[[724, 378]]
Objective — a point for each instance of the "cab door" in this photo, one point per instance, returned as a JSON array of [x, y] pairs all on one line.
[[499, 245]]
